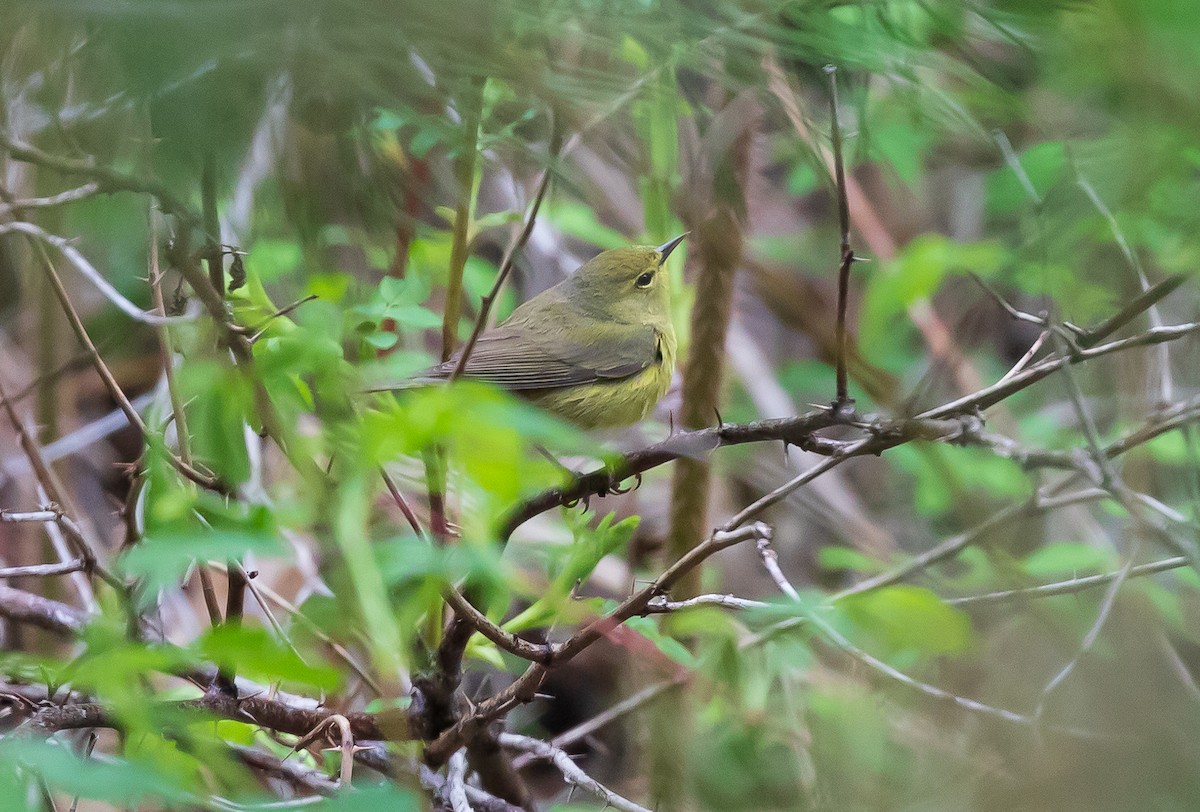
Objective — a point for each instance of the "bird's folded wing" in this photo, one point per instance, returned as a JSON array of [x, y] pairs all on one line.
[[516, 360]]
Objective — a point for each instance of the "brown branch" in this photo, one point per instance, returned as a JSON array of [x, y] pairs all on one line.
[[1137, 306], [401, 502], [842, 400], [796, 431], [523, 689], [106, 376]]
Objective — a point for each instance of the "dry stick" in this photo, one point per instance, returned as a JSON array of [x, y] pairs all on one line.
[[847, 253], [313, 629], [109, 180], [211, 298], [956, 544], [345, 738], [881, 243], [569, 769], [26, 607], [63, 549], [297, 775], [1168, 420], [467, 617], [178, 410], [1109, 481]]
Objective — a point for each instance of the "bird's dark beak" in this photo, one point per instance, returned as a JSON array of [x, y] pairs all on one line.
[[666, 248]]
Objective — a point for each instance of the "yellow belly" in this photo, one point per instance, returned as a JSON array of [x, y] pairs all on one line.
[[607, 404]]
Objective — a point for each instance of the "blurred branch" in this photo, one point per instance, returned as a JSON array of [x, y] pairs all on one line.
[[456, 782], [70, 196], [295, 774], [866, 220], [52, 487], [81, 335], [52, 615], [107, 179], [44, 570]]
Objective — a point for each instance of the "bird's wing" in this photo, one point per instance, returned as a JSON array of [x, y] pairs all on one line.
[[514, 358]]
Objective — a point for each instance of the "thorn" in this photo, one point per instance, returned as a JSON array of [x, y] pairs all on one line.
[[720, 422], [785, 452], [670, 423]]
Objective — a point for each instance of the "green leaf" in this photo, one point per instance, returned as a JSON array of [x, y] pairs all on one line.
[[220, 401], [1043, 164], [648, 627], [271, 259], [908, 617], [588, 548], [114, 780], [260, 656]]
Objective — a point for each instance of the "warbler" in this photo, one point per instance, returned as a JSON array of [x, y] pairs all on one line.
[[597, 349]]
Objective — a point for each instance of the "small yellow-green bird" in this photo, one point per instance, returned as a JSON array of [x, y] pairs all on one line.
[[597, 349]]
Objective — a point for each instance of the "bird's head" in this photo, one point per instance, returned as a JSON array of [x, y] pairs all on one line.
[[625, 284]]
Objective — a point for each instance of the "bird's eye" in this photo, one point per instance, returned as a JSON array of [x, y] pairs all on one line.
[[645, 279]]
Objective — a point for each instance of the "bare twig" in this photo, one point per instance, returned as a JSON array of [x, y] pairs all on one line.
[[456, 782], [1071, 586], [534, 652], [108, 179], [569, 769], [50, 484], [724, 601]]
